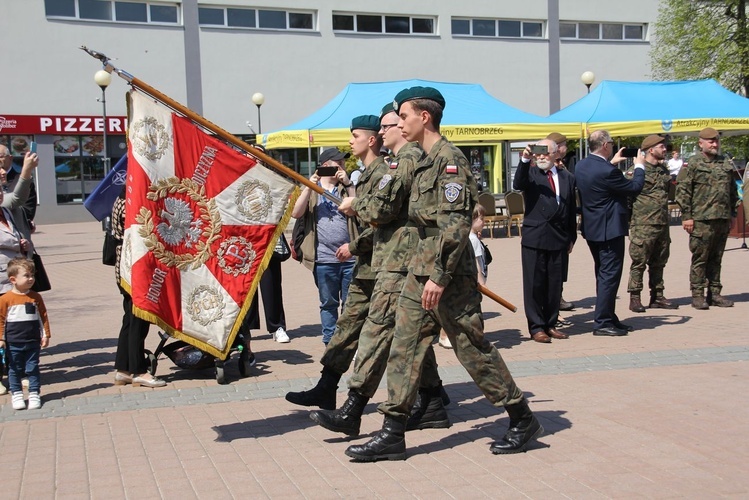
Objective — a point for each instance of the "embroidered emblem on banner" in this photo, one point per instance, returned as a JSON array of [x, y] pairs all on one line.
[[452, 191], [205, 305], [384, 181], [236, 256], [176, 225], [149, 138], [253, 200], [451, 169]]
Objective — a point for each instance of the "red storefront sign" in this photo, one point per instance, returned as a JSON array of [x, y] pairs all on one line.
[[60, 125]]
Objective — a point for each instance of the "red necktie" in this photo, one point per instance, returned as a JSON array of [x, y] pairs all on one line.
[[551, 182]]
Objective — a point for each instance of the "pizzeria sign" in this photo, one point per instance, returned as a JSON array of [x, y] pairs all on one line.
[[61, 125]]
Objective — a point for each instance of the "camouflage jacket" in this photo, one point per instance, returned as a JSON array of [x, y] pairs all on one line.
[[443, 195], [706, 189], [650, 207], [362, 246], [386, 208]]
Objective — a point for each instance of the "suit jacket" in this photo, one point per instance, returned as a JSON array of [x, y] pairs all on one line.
[[547, 225], [603, 194]]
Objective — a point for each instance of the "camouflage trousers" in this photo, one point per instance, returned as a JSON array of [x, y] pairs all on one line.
[[376, 337], [707, 242], [649, 246], [343, 344], [459, 314]]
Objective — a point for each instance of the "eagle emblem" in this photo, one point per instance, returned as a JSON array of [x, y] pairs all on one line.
[[178, 225]]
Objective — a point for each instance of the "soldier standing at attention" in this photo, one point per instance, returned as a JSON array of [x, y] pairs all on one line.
[[441, 289], [649, 237], [708, 198]]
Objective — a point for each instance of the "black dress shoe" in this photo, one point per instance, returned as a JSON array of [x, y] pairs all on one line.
[[610, 331], [624, 326], [565, 306]]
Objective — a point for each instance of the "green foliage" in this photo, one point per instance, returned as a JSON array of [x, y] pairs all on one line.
[[697, 39]]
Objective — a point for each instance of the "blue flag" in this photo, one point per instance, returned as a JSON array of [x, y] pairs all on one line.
[[101, 199]]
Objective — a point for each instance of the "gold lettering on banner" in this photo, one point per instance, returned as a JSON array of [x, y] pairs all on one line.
[[205, 162], [156, 286], [236, 255], [205, 305], [254, 200]]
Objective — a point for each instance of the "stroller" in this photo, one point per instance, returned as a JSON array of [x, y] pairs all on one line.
[[187, 356]]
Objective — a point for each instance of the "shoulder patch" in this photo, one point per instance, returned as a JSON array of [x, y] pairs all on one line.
[[393, 164], [452, 190], [384, 181], [451, 169]]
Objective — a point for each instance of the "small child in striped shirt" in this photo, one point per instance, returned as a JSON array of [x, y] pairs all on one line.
[[25, 330]]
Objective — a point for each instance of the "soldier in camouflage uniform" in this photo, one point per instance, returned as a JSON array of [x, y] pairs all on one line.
[[708, 198], [649, 237], [386, 208], [441, 289]]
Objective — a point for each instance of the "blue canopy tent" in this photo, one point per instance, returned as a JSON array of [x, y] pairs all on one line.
[[471, 115], [641, 108]]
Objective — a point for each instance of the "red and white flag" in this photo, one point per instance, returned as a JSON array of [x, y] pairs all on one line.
[[201, 222]]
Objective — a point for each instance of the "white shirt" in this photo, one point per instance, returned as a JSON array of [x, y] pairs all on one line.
[[674, 166]]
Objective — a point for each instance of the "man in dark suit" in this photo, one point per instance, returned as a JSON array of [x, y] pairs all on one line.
[[603, 195], [549, 232]]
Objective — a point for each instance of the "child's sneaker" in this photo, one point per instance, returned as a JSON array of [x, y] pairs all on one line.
[[18, 402], [35, 402], [3, 389]]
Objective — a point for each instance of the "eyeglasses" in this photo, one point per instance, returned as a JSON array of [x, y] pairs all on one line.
[[388, 126]]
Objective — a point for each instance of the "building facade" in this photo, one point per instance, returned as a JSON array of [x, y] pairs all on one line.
[[213, 55]]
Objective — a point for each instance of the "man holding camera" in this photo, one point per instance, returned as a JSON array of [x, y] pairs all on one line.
[[603, 194], [549, 233], [707, 195], [649, 237]]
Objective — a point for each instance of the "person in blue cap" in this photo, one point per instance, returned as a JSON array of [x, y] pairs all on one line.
[[441, 289]]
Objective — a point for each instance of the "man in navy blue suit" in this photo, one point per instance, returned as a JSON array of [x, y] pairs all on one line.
[[549, 232], [603, 195]]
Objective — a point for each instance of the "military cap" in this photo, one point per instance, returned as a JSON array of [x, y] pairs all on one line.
[[333, 154], [418, 93], [557, 138], [708, 133], [652, 140], [366, 122], [387, 108]]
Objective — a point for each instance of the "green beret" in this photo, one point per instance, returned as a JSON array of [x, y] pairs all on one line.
[[366, 122], [418, 93], [387, 108]]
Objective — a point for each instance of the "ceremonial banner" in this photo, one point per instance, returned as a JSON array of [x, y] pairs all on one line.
[[201, 222]]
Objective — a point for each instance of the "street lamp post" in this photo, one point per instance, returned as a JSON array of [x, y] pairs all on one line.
[[588, 78], [103, 79], [258, 99]]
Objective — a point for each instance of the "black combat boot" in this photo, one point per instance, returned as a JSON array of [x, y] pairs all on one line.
[[635, 304], [322, 395], [524, 428], [346, 420], [428, 411], [699, 302], [388, 444]]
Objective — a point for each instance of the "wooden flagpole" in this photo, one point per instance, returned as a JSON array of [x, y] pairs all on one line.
[[267, 160]]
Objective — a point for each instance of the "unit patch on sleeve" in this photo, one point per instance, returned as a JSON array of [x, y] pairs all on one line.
[[384, 181], [451, 169], [452, 191]]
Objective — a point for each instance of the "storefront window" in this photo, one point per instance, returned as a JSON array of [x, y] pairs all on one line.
[[480, 159], [79, 166]]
